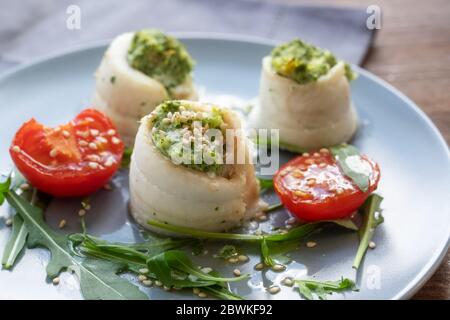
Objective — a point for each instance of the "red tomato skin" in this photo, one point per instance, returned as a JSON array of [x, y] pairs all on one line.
[[59, 181], [332, 208]]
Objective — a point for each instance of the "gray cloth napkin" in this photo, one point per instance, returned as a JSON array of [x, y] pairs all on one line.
[[32, 28]]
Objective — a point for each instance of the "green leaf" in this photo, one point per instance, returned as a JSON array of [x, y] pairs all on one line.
[[4, 188], [265, 254], [41, 235], [372, 217], [293, 234], [309, 288], [98, 281], [126, 158], [349, 160], [178, 260], [265, 184], [16, 242], [273, 207], [346, 223]]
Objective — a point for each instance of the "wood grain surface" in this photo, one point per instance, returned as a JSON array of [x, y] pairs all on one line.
[[411, 51]]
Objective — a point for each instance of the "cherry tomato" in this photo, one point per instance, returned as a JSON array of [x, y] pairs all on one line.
[[73, 159], [313, 187]]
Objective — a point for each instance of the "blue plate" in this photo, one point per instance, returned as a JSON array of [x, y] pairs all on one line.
[[413, 156]]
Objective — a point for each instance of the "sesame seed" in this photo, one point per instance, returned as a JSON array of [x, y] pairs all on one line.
[[259, 266], [115, 140], [87, 206], [55, 281], [274, 289], [66, 133], [92, 146], [233, 260], [196, 290], [158, 283], [102, 140], [372, 245], [24, 186], [257, 233], [57, 129], [111, 132], [278, 268], [147, 283], [62, 223], [53, 153], [242, 258], [90, 119], [288, 282], [9, 222], [202, 295], [94, 132], [306, 154], [324, 150], [143, 270], [93, 165], [316, 154], [109, 162], [262, 217], [94, 157], [311, 244], [309, 161], [339, 190], [291, 220], [16, 149], [322, 165], [142, 277], [166, 288], [300, 193], [310, 182], [237, 272], [81, 213], [83, 143], [83, 134]]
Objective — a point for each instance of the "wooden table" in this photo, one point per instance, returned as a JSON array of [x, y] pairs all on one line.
[[412, 52]]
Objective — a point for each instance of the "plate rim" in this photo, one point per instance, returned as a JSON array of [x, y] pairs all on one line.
[[438, 256]]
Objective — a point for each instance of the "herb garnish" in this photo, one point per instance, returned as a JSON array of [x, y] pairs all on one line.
[[309, 288], [372, 217], [349, 160]]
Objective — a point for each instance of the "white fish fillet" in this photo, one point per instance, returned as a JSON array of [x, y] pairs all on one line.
[[309, 116], [126, 94], [175, 194]]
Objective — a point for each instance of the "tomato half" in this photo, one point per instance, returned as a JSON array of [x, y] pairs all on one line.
[[73, 159], [313, 187]]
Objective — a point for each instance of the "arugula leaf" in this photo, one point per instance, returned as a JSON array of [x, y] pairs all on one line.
[[273, 207], [277, 251], [265, 184], [293, 234], [349, 160], [265, 254], [178, 260], [172, 267], [97, 281], [16, 242], [4, 188], [371, 219], [126, 158], [41, 235], [307, 288], [226, 252]]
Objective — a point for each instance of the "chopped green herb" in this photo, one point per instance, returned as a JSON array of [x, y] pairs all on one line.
[[227, 252], [349, 160], [372, 218], [112, 79], [309, 288]]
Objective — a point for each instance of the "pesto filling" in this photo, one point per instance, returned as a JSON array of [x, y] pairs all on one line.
[[161, 57], [181, 133], [304, 63]]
